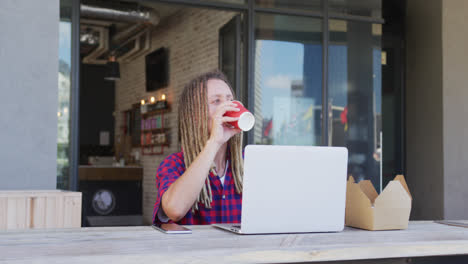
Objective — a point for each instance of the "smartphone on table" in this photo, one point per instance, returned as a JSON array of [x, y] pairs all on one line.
[[172, 228]]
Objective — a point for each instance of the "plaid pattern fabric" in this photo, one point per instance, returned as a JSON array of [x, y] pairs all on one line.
[[227, 203]]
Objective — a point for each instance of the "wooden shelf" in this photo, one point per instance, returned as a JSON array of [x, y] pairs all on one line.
[[155, 112], [156, 130], [155, 145], [149, 149]]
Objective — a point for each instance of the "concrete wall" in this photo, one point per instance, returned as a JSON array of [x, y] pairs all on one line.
[[437, 112], [424, 111], [191, 36], [455, 111], [29, 87]]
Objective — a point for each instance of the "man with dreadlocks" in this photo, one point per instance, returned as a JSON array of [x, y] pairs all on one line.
[[203, 183]]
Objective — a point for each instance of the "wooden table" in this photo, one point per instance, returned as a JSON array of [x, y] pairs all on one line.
[[209, 245]]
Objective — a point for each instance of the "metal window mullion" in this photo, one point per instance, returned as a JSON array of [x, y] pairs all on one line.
[[325, 74], [250, 69], [197, 3], [356, 18], [243, 7], [238, 59], [403, 107], [74, 97], [277, 11]]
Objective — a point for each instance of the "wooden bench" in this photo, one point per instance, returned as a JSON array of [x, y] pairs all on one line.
[[39, 209]]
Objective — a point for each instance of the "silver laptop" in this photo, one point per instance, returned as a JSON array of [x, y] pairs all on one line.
[[292, 189]]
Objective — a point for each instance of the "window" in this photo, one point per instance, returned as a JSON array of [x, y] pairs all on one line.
[[288, 80]]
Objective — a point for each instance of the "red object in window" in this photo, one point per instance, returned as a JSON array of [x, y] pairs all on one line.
[[344, 116], [268, 128]]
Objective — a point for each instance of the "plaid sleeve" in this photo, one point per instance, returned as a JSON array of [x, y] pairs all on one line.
[[168, 172]]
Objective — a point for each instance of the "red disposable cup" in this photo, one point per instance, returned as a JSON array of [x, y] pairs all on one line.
[[246, 119]]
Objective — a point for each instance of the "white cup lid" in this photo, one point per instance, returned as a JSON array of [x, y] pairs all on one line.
[[246, 121]]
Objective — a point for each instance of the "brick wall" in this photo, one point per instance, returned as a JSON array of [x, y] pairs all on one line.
[[191, 35]]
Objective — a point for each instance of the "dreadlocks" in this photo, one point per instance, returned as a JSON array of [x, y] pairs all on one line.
[[194, 133]]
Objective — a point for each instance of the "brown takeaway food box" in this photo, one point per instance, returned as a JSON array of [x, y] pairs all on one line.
[[367, 210]]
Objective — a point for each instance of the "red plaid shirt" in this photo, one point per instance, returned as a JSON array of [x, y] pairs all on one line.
[[227, 203]]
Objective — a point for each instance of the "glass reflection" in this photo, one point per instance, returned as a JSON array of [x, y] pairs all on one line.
[[64, 82], [355, 92], [288, 80]]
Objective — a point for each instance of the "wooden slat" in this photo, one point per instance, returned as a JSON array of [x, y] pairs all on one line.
[[209, 245], [71, 212], [17, 213], [51, 212], [60, 220], [38, 212]]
